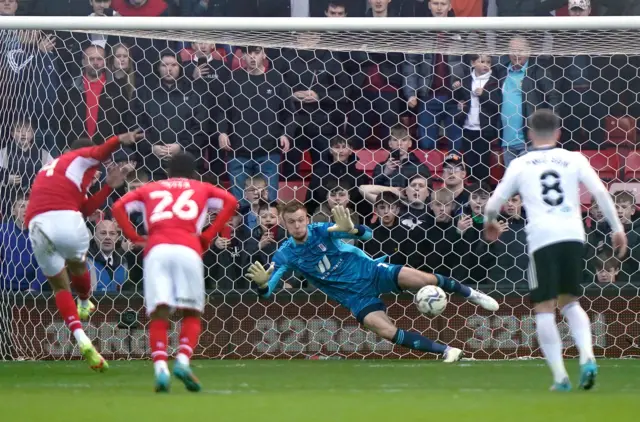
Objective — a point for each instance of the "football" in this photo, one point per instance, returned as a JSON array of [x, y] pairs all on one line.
[[431, 300]]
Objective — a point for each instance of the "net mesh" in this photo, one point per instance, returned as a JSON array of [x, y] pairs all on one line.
[[337, 98]]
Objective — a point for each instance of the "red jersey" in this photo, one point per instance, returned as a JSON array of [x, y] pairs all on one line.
[[174, 212], [62, 185]]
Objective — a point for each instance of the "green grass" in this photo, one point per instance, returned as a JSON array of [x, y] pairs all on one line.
[[307, 391]]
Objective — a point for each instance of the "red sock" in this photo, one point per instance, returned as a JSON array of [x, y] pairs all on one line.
[[68, 310], [158, 336], [189, 334], [82, 284]]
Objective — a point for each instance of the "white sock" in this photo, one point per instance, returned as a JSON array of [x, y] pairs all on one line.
[[182, 359], [160, 366], [580, 329], [551, 344], [81, 337], [84, 303]]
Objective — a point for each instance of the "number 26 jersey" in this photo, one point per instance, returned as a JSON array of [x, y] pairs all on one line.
[[175, 210]]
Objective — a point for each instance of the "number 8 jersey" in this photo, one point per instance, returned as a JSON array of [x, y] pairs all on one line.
[[548, 181], [175, 211]]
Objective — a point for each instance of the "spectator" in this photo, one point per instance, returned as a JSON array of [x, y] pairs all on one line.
[[481, 97], [320, 98], [226, 258], [101, 8], [105, 260], [18, 267], [339, 194], [255, 191], [133, 253], [603, 268], [471, 248], [526, 86], [454, 173], [416, 194], [267, 237], [376, 84], [510, 252], [431, 80], [336, 9], [94, 107], [20, 160], [260, 120], [210, 75], [402, 164], [441, 235], [337, 164], [392, 238], [582, 86], [123, 70], [171, 115]]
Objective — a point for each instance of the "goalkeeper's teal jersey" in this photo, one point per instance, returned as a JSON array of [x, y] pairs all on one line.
[[338, 269]]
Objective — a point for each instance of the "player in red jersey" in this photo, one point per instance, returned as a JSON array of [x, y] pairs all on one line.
[[55, 216], [175, 211]]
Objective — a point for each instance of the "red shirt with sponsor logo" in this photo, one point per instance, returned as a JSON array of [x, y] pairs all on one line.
[[62, 184], [175, 211]]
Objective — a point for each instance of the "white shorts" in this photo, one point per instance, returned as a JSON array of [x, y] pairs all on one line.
[[173, 276], [58, 237]]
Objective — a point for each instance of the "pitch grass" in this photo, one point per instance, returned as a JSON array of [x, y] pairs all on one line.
[[308, 391]]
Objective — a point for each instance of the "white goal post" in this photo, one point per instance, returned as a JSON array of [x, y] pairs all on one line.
[[39, 82]]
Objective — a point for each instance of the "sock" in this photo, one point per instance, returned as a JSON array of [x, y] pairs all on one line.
[[67, 308], [416, 341], [551, 344], [189, 334], [450, 285], [82, 285], [580, 329], [158, 339]]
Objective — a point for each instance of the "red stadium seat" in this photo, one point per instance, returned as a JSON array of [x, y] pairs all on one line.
[[621, 130], [291, 190], [605, 162], [497, 168], [304, 169], [433, 158], [368, 159], [632, 166]]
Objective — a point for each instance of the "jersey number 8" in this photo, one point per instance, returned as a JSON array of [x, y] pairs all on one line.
[[552, 192], [183, 207]]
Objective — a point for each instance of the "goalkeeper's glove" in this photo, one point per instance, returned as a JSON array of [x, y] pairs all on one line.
[[260, 275], [342, 220]]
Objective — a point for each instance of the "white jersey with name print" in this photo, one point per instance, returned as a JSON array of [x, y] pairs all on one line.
[[548, 181]]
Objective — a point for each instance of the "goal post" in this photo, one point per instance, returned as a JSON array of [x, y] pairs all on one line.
[[586, 70]]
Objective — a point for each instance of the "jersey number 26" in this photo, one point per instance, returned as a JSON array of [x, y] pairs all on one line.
[[182, 207]]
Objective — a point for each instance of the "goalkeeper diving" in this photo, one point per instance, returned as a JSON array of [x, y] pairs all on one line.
[[350, 277]]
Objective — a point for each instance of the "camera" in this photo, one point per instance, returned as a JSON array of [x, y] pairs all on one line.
[[129, 320]]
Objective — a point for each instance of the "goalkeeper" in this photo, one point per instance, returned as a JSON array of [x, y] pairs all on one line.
[[350, 277]]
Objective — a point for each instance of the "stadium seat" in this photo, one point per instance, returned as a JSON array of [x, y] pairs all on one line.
[[291, 190], [621, 130], [605, 162], [497, 168], [305, 167], [433, 158], [632, 166], [368, 159]]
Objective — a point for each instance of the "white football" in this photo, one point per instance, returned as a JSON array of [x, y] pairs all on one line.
[[431, 300]]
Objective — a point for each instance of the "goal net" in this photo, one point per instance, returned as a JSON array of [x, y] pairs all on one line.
[[408, 122]]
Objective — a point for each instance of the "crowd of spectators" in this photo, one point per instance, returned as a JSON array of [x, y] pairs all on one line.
[[254, 117]]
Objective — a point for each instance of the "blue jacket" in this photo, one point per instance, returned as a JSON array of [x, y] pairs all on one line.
[[18, 267], [109, 276]]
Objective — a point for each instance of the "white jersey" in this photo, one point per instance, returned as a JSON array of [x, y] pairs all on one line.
[[548, 181]]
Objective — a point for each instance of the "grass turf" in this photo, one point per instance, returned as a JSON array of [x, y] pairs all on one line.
[[307, 391]]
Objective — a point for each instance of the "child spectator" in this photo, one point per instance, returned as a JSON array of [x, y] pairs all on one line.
[[18, 267], [226, 258], [336, 165], [454, 173], [415, 197], [441, 234], [480, 96], [402, 164], [604, 267], [339, 194], [255, 190], [265, 238], [20, 160]]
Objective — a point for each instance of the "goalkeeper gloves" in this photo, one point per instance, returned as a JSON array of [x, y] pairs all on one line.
[[342, 220], [260, 275]]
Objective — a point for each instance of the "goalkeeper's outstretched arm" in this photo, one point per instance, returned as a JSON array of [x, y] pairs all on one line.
[[343, 227]]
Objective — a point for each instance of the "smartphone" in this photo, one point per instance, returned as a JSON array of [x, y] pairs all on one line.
[[395, 155], [226, 232], [202, 60], [109, 11]]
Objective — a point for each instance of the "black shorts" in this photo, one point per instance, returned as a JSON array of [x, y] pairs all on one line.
[[556, 269]]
